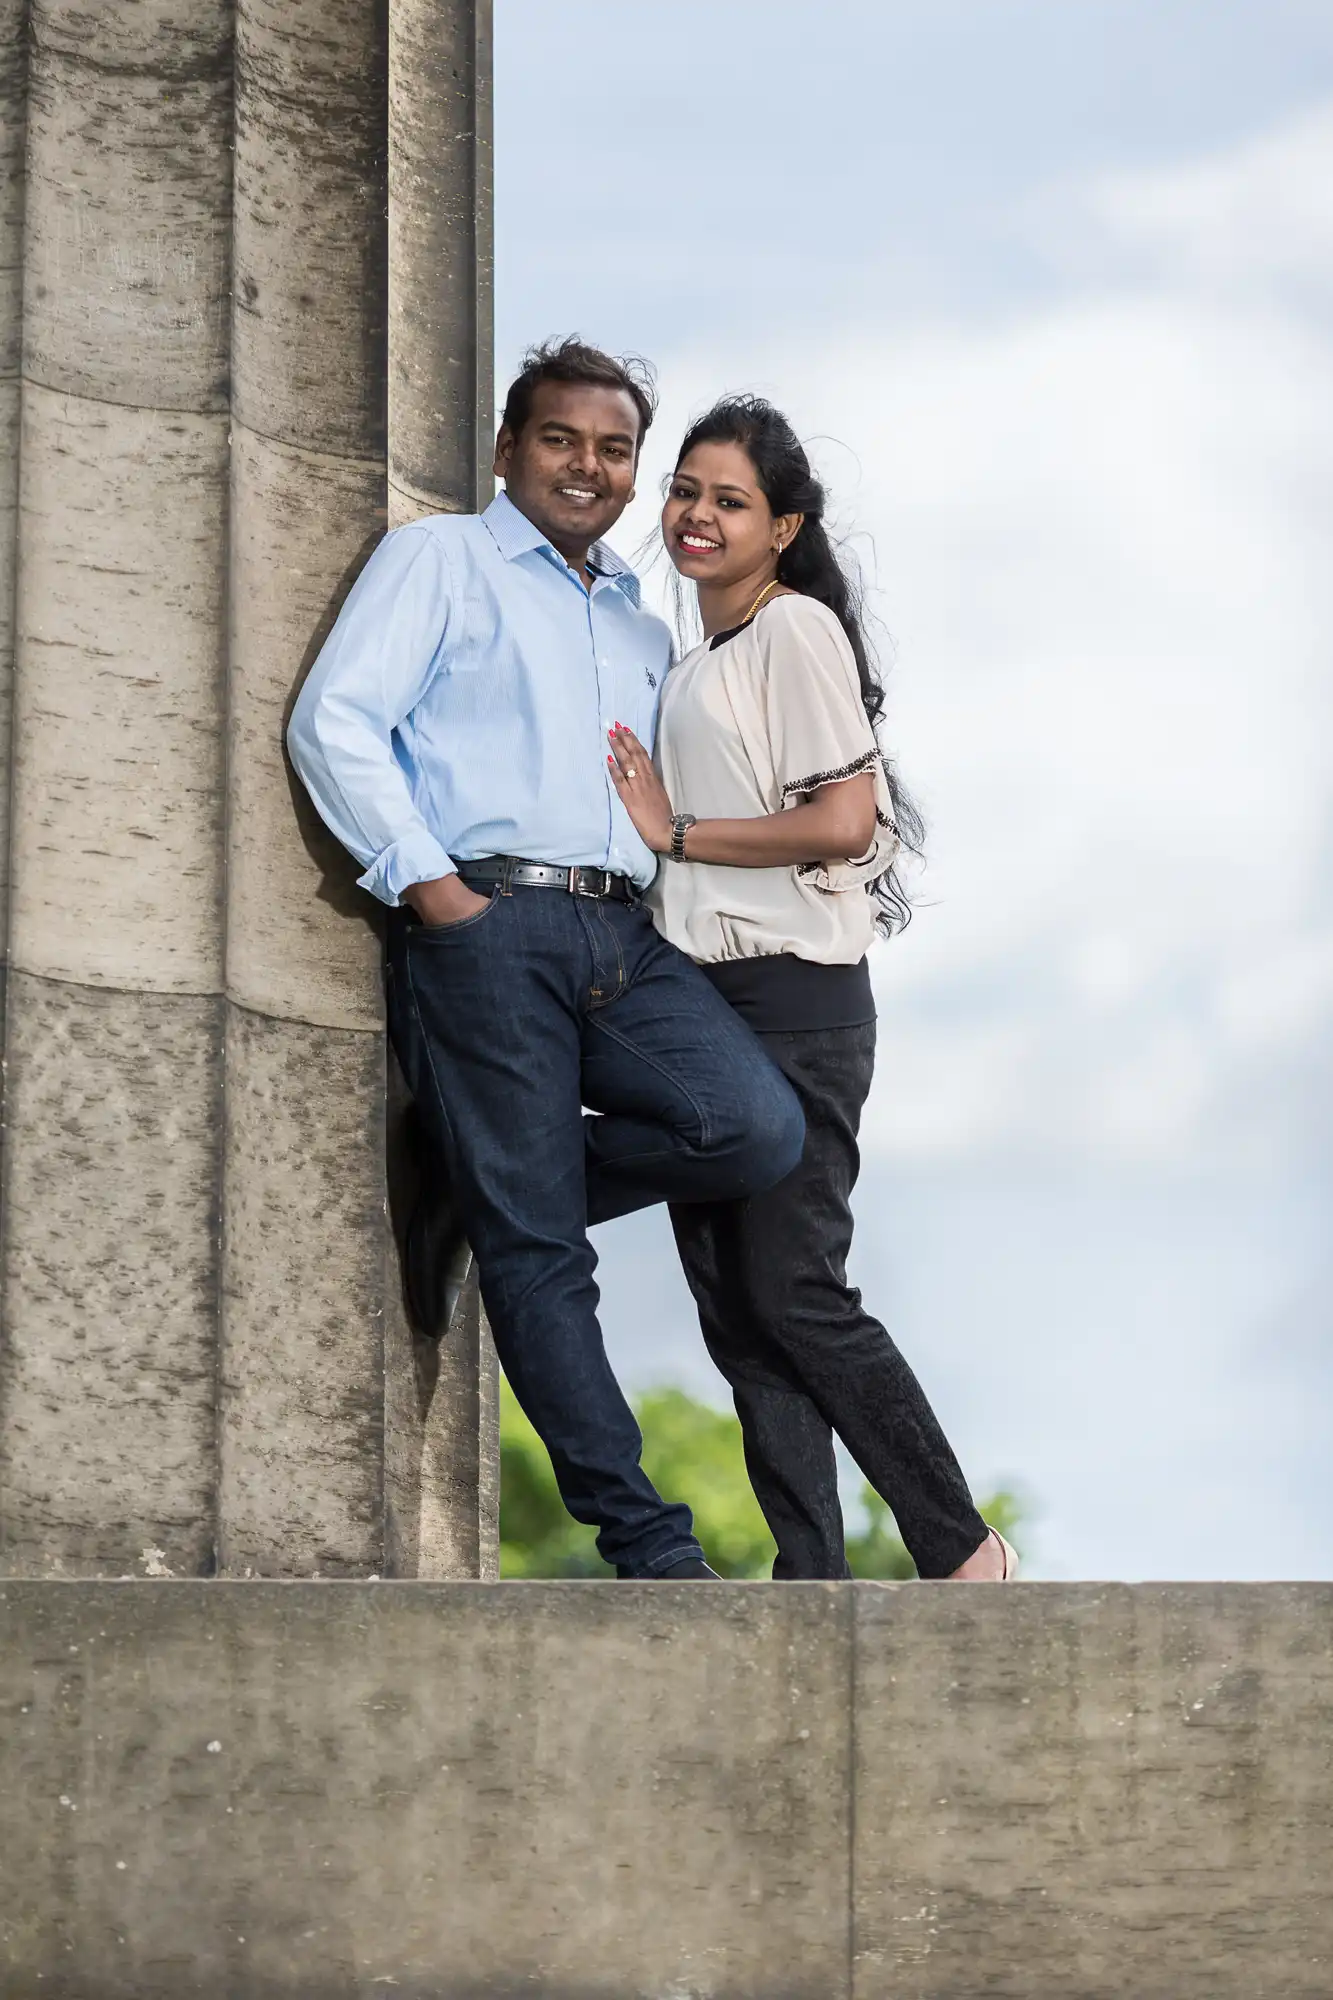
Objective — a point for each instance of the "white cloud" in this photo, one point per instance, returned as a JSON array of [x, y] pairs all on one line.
[[1258, 215], [1100, 536]]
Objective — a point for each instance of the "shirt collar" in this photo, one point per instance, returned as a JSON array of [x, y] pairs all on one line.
[[515, 535]]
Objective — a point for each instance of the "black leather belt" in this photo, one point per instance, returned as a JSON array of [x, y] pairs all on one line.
[[506, 871]]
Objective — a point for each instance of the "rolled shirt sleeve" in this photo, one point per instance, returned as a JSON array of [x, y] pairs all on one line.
[[372, 670], [819, 732]]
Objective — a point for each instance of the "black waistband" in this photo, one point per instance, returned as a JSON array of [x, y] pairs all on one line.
[[511, 871], [780, 993]]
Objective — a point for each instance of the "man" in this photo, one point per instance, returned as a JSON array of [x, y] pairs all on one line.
[[454, 734]]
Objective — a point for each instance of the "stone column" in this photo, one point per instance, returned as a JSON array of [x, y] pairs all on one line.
[[107, 1455], [441, 352], [204, 1360], [13, 109], [348, 1448], [302, 1426], [440, 395]]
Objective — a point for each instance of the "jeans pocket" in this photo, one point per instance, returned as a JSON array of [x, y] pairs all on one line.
[[435, 931]]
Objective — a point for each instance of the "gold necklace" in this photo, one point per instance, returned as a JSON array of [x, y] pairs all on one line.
[[772, 584]]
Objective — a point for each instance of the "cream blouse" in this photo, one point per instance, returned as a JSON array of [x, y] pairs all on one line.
[[749, 728]]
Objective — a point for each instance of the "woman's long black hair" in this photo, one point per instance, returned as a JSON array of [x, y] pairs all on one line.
[[811, 565]]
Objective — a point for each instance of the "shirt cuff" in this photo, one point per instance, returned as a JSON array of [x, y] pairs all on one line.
[[416, 858]]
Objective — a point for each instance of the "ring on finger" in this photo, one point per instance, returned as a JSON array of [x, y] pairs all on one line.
[[630, 771]]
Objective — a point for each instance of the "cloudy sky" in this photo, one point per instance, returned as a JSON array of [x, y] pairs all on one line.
[[1049, 289]]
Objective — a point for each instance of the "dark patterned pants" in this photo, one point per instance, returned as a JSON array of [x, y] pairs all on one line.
[[804, 1359]]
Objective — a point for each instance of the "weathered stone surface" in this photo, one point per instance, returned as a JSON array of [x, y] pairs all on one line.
[[9, 469], [119, 749], [1063, 1792], [129, 201], [303, 941], [308, 365], [440, 256], [441, 1444], [174, 39], [110, 1272], [348, 1446], [303, 1301], [574, 1790], [459, 1485], [13, 122], [441, 1394], [306, 1275], [121, 848], [1077, 1792], [440, 364]]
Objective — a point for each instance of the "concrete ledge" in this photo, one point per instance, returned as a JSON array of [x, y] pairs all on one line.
[[799, 1792]]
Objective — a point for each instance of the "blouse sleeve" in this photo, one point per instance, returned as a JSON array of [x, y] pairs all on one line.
[[819, 732]]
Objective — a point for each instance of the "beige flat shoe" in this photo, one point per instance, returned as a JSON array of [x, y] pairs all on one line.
[[1010, 1555]]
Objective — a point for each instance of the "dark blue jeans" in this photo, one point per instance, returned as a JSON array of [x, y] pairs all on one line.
[[507, 1025]]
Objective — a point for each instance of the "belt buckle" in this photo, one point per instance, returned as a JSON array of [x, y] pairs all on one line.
[[576, 887]]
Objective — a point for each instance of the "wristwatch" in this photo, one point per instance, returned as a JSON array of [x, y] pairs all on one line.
[[680, 826]]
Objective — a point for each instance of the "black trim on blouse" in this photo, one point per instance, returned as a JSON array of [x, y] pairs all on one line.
[[720, 638]]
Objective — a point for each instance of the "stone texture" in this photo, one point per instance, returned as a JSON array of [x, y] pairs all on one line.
[[440, 256], [442, 1443], [665, 1792], [303, 943], [458, 1488], [346, 1443], [129, 201], [349, 1445], [110, 1273], [118, 761], [13, 127], [308, 362], [441, 1395], [304, 1267], [451, 1791], [1085, 1791], [440, 363], [303, 1301], [9, 474], [113, 1053], [13, 121]]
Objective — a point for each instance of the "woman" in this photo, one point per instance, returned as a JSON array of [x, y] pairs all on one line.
[[779, 820]]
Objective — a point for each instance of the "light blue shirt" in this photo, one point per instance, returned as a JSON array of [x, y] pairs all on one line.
[[459, 707]]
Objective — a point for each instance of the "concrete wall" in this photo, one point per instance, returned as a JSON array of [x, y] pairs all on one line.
[[666, 1792]]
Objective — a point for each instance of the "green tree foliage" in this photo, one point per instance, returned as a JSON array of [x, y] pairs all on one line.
[[691, 1453]]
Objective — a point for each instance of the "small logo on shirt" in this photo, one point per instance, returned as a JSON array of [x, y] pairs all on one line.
[[652, 677]]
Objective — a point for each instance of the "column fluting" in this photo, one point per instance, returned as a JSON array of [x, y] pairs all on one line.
[[302, 1431], [440, 396], [107, 1370]]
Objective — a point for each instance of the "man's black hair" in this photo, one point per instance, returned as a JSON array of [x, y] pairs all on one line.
[[572, 360]]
